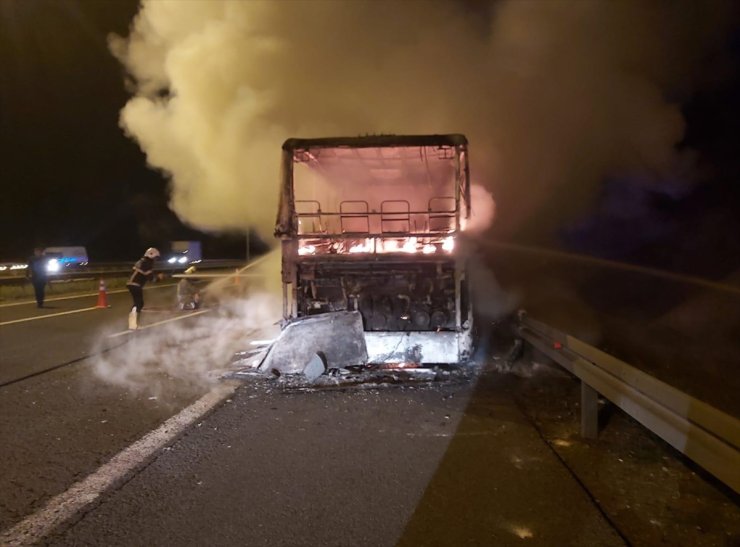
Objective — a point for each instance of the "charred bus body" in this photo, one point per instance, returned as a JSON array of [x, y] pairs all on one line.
[[369, 224]]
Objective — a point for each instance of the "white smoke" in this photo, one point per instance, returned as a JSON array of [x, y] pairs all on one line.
[[188, 354], [483, 211], [552, 95]]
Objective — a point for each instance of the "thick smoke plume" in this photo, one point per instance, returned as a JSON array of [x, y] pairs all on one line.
[[188, 354], [552, 95]]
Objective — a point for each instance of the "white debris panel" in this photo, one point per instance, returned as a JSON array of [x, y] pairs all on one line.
[[337, 338]]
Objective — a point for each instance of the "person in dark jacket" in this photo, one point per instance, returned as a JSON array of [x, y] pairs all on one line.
[[143, 272], [38, 274]]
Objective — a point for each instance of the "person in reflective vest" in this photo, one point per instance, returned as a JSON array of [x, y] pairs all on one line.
[[143, 272]]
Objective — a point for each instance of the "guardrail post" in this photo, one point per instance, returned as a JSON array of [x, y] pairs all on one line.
[[589, 411], [706, 435]]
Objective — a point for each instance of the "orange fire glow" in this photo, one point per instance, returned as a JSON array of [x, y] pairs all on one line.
[[377, 245]]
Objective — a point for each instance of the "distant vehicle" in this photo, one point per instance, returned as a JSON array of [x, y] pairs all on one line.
[[184, 252], [61, 258]]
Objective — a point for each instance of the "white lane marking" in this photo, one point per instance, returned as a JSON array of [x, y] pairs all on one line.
[[191, 314], [57, 298], [47, 316], [61, 508]]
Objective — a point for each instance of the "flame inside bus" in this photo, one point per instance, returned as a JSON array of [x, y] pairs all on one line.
[[377, 245], [368, 225]]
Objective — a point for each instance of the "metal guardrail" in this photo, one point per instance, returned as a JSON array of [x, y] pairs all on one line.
[[704, 434]]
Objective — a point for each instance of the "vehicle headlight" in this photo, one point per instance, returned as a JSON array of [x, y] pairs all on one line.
[[182, 259], [171, 260], [52, 265]]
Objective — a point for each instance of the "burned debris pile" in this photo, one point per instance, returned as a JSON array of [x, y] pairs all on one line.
[[328, 350]]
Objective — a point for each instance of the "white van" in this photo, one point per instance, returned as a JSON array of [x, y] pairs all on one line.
[[60, 258]]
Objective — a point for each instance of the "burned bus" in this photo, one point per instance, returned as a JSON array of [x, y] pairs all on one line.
[[370, 225]]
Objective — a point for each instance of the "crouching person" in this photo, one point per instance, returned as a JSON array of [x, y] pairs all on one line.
[[188, 295]]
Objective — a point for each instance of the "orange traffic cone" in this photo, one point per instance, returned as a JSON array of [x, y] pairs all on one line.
[[102, 296], [236, 276]]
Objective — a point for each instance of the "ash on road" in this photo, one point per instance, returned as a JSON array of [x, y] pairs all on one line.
[[456, 463]]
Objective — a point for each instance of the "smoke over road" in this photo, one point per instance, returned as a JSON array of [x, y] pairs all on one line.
[[177, 356], [181, 357], [553, 96]]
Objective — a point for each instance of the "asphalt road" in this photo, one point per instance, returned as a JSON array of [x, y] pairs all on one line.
[[59, 426], [494, 459], [276, 467]]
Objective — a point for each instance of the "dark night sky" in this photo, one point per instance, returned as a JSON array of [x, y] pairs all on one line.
[[70, 176], [694, 230]]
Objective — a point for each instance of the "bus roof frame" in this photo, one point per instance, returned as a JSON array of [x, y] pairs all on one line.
[[376, 141]]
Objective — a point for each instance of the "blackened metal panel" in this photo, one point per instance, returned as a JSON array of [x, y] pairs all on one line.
[[285, 224]]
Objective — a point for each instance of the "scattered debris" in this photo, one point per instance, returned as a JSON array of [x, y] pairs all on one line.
[[315, 377], [328, 351]]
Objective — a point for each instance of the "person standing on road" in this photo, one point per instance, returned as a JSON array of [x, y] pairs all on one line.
[[143, 272], [37, 273]]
